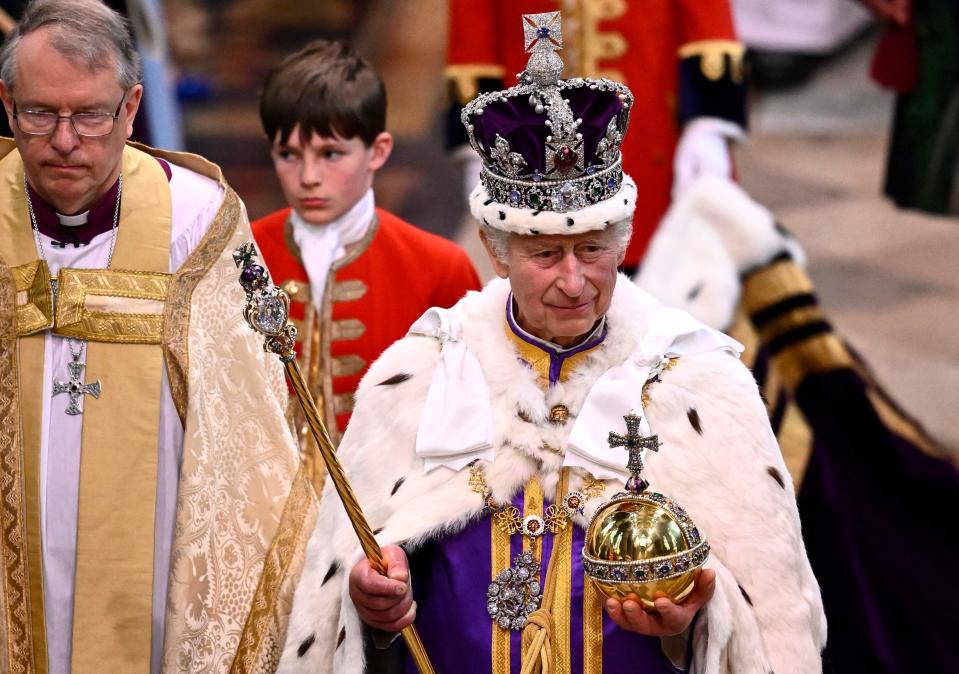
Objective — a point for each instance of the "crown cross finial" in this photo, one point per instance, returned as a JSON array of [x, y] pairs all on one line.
[[636, 444], [543, 35], [543, 31]]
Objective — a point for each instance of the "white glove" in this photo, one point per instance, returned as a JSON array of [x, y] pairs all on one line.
[[703, 149]]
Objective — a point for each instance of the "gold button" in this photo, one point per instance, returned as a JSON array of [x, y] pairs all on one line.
[[559, 414]]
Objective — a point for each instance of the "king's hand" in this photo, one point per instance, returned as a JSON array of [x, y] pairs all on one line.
[[668, 618], [384, 602]]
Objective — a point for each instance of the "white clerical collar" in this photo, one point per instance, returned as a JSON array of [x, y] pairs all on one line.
[[74, 220], [322, 245]]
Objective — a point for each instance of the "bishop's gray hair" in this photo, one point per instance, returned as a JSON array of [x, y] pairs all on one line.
[[498, 239], [85, 32]]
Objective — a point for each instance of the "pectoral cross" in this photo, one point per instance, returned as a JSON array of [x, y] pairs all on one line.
[[636, 444], [75, 387]]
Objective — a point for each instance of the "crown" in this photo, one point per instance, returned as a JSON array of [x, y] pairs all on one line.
[[547, 144]]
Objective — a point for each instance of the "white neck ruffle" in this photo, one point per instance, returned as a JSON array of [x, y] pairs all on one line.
[[322, 245]]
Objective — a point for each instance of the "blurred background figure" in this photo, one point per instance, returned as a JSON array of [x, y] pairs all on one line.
[[918, 58], [789, 40]]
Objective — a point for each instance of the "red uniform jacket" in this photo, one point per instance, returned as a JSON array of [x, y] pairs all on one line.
[[373, 295], [679, 57]]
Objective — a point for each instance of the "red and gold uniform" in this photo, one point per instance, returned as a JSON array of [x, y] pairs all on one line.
[[680, 58], [373, 294]]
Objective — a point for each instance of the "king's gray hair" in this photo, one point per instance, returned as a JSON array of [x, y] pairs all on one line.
[[498, 239], [85, 32]]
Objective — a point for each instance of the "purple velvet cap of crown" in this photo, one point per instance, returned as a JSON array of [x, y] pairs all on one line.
[[514, 119]]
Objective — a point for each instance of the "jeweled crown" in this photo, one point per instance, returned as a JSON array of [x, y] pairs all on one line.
[[549, 144]]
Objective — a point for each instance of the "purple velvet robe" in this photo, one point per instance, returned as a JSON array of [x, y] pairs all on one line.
[[450, 582]]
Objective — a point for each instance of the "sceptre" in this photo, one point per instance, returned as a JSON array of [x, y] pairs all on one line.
[[267, 311]]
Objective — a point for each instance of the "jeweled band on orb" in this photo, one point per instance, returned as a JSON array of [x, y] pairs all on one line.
[[645, 570]]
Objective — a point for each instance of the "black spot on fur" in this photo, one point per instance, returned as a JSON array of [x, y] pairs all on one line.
[[693, 417], [570, 222], [334, 567], [606, 222], [340, 639], [625, 202], [305, 646], [502, 215], [397, 485], [777, 476], [537, 212], [745, 596], [485, 222], [487, 202], [534, 232], [694, 292], [396, 379], [376, 532]]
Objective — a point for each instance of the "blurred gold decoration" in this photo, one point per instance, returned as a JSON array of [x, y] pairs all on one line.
[[642, 543]]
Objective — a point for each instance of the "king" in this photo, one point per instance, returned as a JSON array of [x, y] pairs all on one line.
[[479, 442]]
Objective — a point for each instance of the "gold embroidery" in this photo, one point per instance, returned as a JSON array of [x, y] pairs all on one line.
[[34, 298], [176, 323], [646, 398], [348, 291], [18, 646], [465, 78], [713, 55], [288, 546], [227, 510], [562, 554], [592, 487], [532, 505], [593, 601], [74, 318], [347, 329], [499, 545], [344, 366]]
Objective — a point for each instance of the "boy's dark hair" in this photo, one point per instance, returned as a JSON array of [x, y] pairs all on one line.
[[325, 88]]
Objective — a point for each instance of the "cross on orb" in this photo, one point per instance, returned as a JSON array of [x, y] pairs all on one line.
[[636, 444]]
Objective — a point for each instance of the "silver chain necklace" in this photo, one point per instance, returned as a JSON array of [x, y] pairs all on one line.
[[74, 387], [36, 230]]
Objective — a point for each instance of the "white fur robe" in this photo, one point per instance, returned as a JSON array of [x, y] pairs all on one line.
[[719, 459]]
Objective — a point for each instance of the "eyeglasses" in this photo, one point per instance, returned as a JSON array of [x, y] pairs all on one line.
[[86, 124]]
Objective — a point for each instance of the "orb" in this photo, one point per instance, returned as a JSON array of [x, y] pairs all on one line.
[[638, 545]]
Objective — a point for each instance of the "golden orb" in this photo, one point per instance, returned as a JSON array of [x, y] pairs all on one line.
[[641, 544]]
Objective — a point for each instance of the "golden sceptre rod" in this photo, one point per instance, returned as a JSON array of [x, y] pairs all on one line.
[[267, 312]]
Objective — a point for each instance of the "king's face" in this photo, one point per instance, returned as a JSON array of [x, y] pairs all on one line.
[[562, 285]]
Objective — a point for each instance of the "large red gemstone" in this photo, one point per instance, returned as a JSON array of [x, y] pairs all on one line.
[[565, 159]]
